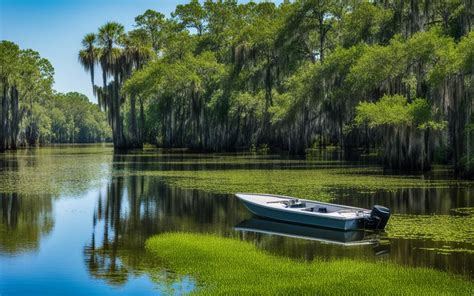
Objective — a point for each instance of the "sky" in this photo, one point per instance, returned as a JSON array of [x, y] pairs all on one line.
[[55, 29]]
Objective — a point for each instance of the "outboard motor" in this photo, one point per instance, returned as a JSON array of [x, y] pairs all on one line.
[[378, 217]]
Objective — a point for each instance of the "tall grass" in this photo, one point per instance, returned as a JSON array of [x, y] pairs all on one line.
[[227, 266]]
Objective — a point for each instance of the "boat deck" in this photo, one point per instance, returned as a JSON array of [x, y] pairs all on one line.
[[305, 206]]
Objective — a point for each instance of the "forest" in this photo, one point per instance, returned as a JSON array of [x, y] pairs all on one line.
[[33, 113], [394, 78]]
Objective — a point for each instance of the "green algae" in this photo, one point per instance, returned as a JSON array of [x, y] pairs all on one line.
[[63, 168], [54, 170], [310, 183], [445, 228], [226, 266], [72, 169]]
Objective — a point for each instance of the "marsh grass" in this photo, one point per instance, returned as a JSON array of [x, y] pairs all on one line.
[[228, 267]]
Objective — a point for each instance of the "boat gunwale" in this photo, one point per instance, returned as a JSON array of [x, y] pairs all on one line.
[[310, 214]]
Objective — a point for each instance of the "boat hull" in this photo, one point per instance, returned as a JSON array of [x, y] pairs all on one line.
[[320, 221]]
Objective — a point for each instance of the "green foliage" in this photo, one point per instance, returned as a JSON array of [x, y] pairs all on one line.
[[367, 23], [300, 68], [465, 53], [396, 111], [377, 65], [77, 120], [218, 75], [191, 15], [32, 113], [226, 266]]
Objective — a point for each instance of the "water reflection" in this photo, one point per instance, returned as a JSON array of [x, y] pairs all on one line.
[[24, 220], [134, 208], [324, 235], [413, 201], [101, 230]]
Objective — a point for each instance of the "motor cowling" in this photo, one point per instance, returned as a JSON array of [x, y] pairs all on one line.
[[378, 217]]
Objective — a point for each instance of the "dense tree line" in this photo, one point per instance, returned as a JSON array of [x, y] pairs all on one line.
[[395, 76], [33, 113]]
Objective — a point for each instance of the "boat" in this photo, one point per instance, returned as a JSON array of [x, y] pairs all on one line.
[[320, 234], [314, 213]]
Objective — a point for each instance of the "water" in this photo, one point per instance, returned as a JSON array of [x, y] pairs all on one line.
[[88, 237]]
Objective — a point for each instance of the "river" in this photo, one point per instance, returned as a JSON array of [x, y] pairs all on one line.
[[75, 218]]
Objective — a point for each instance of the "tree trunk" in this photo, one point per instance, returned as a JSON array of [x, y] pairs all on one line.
[[15, 122], [133, 133], [4, 118]]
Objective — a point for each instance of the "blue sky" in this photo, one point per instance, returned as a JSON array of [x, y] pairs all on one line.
[[55, 29]]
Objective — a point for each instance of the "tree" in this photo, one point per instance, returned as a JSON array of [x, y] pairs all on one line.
[[191, 15], [224, 75], [88, 57], [32, 112], [405, 129]]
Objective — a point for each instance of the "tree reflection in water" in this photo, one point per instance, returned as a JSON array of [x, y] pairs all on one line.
[[133, 209], [24, 220]]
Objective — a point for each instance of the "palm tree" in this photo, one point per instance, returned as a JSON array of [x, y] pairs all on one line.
[[110, 60], [109, 37], [88, 55], [138, 50]]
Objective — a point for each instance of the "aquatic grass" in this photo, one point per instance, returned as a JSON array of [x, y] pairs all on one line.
[[445, 228], [311, 184], [226, 266]]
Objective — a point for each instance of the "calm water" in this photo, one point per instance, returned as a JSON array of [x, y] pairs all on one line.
[[90, 240]]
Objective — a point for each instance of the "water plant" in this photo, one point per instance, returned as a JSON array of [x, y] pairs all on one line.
[[434, 227], [304, 183], [67, 170], [230, 267]]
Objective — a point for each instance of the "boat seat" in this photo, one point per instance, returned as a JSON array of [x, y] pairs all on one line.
[[317, 209], [297, 205]]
